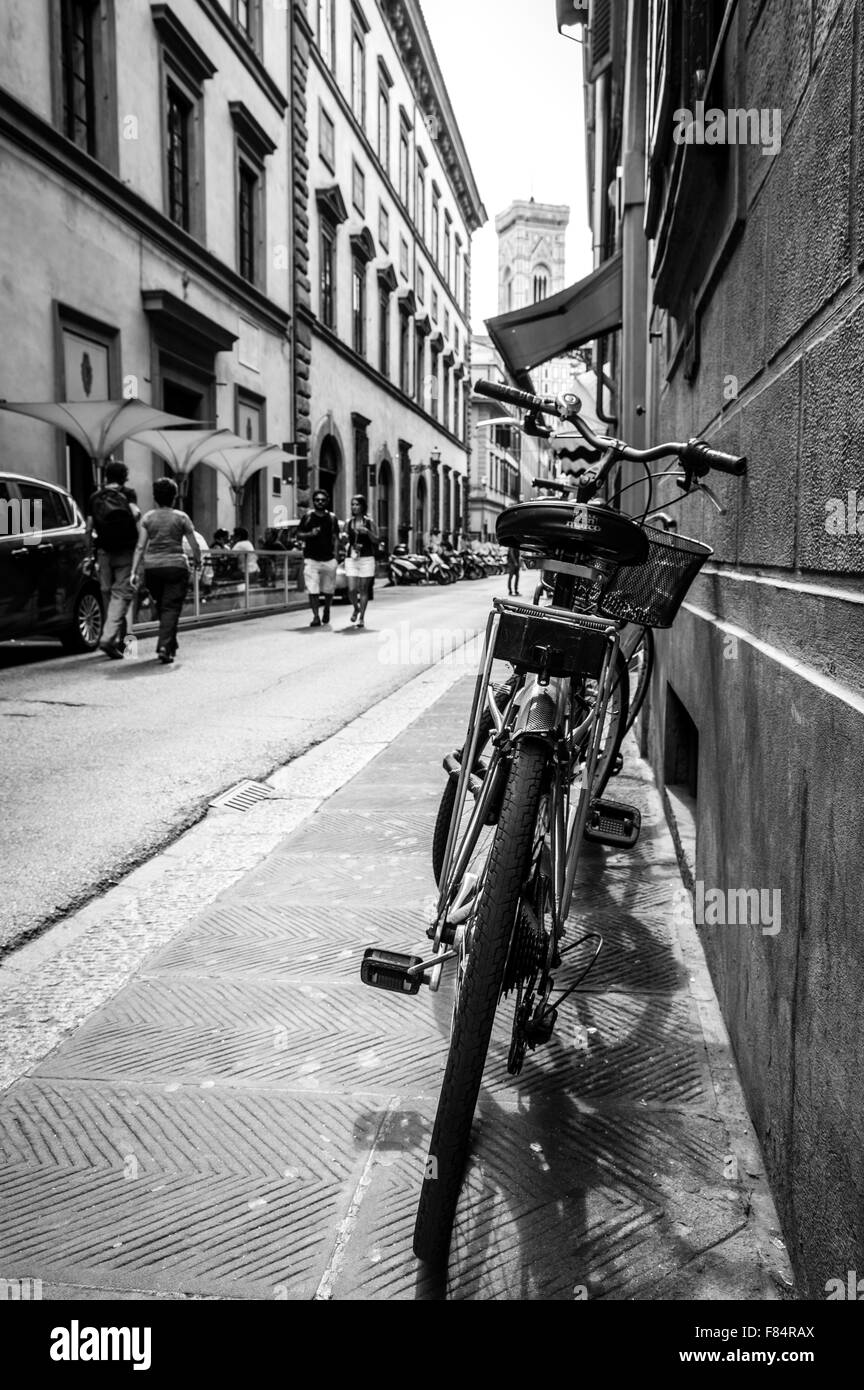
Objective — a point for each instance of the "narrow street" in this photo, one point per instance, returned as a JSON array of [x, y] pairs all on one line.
[[110, 760]]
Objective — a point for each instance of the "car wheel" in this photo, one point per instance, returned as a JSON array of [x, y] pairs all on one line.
[[86, 629]]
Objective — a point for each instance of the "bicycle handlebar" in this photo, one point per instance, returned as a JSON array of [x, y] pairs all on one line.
[[697, 457]]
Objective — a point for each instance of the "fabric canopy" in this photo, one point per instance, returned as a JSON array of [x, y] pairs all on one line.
[[526, 337], [183, 449], [99, 426]]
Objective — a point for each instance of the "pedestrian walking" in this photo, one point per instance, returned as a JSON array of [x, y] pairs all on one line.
[[319, 533], [360, 561], [514, 564], [113, 518], [161, 558]]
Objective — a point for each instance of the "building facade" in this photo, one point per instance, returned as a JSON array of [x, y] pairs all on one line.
[[731, 132], [385, 207], [145, 229]]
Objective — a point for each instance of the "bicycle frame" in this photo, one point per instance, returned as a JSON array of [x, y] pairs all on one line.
[[544, 712]]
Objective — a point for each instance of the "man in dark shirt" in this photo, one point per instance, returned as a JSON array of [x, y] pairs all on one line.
[[319, 534], [113, 517]]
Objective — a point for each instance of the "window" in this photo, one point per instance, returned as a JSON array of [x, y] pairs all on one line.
[[358, 74], [420, 287], [384, 127], [326, 139], [435, 305], [327, 254], [253, 147], [456, 337], [446, 414], [184, 70], [247, 218], [383, 330], [358, 305], [434, 226], [457, 268], [326, 31], [434, 371], [358, 187], [383, 227], [419, 364], [53, 509], [77, 63], [403, 257], [540, 283], [245, 14], [404, 160], [446, 323], [404, 350], [84, 94], [447, 239], [420, 206], [178, 142]]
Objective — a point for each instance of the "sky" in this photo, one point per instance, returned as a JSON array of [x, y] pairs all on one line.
[[515, 86]]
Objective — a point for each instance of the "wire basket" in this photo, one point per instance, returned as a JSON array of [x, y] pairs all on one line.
[[651, 593]]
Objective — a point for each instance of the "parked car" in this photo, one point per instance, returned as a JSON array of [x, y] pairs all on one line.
[[46, 588]]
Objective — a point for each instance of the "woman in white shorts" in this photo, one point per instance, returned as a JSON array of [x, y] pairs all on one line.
[[360, 560]]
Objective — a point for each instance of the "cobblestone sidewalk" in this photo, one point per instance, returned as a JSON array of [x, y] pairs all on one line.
[[243, 1119]]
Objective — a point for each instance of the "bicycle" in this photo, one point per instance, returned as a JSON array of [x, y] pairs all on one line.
[[524, 793]]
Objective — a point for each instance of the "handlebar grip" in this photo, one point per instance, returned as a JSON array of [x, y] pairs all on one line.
[[699, 456], [499, 392], [553, 485]]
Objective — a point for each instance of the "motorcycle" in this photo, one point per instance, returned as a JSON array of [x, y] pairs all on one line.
[[402, 567]]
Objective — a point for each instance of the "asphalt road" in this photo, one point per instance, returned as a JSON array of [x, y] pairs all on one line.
[[106, 762]]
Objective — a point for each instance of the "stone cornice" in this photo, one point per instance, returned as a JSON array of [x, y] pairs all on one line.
[[408, 28], [176, 37], [27, 131]]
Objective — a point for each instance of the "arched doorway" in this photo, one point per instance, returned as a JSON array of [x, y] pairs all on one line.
[[420, 514], [330, 468], [385, 504]]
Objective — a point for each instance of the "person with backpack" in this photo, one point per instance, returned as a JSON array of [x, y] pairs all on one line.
[[161, 556], [318, 533], [114, 519]]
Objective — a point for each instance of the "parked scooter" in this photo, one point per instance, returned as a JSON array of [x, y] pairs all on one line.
[[403, 568], [437, 570]]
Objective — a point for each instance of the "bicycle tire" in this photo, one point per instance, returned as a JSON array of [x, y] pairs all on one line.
[[615, 737], [643, 679], [474, 1014], [448, 796]]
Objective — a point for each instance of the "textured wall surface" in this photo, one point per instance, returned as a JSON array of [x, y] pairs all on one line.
[[769, 658]]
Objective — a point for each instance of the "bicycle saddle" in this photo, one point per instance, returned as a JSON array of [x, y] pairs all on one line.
[[574, 529]]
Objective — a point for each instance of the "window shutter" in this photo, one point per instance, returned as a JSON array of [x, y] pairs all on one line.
[[600, 31]]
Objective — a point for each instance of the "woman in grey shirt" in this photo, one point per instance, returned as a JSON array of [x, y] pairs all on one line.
[[166, 573]]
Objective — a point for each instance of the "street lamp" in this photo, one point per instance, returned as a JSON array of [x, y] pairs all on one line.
[[435, 457]]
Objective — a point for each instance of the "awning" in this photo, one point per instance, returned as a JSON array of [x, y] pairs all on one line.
[[526, 337]]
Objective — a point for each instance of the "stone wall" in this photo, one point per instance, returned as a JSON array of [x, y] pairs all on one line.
[[768, 657]]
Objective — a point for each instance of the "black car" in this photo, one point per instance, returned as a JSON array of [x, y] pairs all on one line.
[[45, 589]]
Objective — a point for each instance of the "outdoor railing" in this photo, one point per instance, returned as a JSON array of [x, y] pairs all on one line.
[[236, 582]]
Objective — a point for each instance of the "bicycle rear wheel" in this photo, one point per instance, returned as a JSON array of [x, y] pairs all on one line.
[[641, 665], [480, 974]]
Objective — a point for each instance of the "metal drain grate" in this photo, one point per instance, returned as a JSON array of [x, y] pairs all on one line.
[[244, 795]]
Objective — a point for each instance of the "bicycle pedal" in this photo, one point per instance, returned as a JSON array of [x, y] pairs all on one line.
[[613, 823], [389, 970]]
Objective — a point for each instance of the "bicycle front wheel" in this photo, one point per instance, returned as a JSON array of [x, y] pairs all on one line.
[[480, 975]]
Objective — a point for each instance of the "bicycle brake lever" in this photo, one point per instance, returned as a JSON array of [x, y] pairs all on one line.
[[531, 425], [703, 487]]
